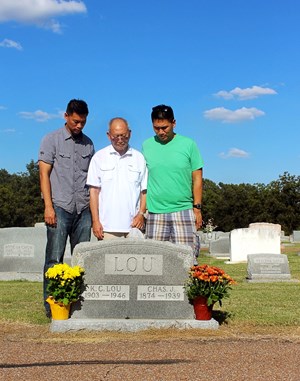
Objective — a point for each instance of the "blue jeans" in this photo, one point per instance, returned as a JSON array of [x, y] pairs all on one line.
[[73, 225]]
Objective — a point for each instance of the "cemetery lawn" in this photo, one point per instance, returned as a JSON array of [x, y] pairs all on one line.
[[252, 308]]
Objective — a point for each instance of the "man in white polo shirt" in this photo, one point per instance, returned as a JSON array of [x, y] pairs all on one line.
[[117, 178]]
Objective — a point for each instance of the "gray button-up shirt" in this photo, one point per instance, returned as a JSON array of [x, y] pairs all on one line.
[[70, 158]]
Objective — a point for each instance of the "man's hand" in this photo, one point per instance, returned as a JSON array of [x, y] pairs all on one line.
[[50, 216], [198, 218], [98, 230], [138, 221]]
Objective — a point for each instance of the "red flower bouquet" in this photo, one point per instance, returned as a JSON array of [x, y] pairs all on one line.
[[208, 281]]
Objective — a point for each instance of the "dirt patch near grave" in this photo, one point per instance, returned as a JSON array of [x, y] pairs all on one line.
[[41, 333], [29, 352]]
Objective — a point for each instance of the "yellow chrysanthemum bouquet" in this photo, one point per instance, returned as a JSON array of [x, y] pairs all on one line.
[[65, 283]]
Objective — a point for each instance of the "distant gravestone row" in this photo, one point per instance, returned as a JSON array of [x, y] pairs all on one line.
[[22, 250]]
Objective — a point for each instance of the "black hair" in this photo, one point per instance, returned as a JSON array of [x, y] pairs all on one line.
[[162, 112], [78, 106]]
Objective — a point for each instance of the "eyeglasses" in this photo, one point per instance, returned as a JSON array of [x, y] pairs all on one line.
[[120, 136]]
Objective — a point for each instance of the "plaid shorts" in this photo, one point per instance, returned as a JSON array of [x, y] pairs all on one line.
[[177, 227]]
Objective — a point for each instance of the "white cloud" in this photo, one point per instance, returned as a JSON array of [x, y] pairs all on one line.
[[6, 43], [9, 130], [229, 116], [39, 12], [244, 94], [234, 152], [3, 107], [224, 94], [39, 115]]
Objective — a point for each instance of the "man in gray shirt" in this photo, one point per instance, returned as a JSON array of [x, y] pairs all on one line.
[[64, 159]]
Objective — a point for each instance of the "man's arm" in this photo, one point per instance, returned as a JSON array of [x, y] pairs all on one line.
[[139, 221], [197, 195], [94, 206], [49, 213]]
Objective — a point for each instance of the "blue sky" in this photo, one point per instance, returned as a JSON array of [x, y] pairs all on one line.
[[229, 68]]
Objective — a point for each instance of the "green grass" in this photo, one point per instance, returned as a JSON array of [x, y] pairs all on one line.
[[261, 304], [249, 304], [21, 301]]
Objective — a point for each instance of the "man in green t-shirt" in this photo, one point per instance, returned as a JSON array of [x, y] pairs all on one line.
[[174, 191]]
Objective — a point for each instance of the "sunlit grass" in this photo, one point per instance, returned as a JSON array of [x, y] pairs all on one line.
[[252, 304], [261, 304], [21, 301]]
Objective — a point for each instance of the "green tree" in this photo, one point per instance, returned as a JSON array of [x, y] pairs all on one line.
[[238, 206], [234, 206], [7, 206], [33, 207], [4, 177], [20, 198], [231, 206], [210, 200], [283, 202]]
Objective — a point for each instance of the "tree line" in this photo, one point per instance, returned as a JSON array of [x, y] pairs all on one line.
[[231, 206]]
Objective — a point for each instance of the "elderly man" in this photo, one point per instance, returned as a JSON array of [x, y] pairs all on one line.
[[117, 178]]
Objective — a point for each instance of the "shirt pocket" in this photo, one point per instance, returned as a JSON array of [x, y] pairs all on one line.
[[134, 174], [85, 159], [107, 172], [64, 159]]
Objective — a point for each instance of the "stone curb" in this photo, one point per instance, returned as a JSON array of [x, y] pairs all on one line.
[[130, 325]]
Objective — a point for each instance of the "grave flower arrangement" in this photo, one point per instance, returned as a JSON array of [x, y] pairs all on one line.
[[209, 227], [65, 284], [208, 281]]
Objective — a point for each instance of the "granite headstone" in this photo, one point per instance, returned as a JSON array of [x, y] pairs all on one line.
[[268, 268], [22, 253], [219, 247], [260, 238], [133, 279], [296, 236], [132, 285]]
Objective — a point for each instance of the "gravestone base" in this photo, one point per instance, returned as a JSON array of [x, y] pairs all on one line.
[[129, 325], [264, 279]]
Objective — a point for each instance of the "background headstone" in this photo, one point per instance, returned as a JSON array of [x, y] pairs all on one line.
[[219, 247], [255, 240], [265, 225], [22, 253], [296, 236], [268, 268]]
